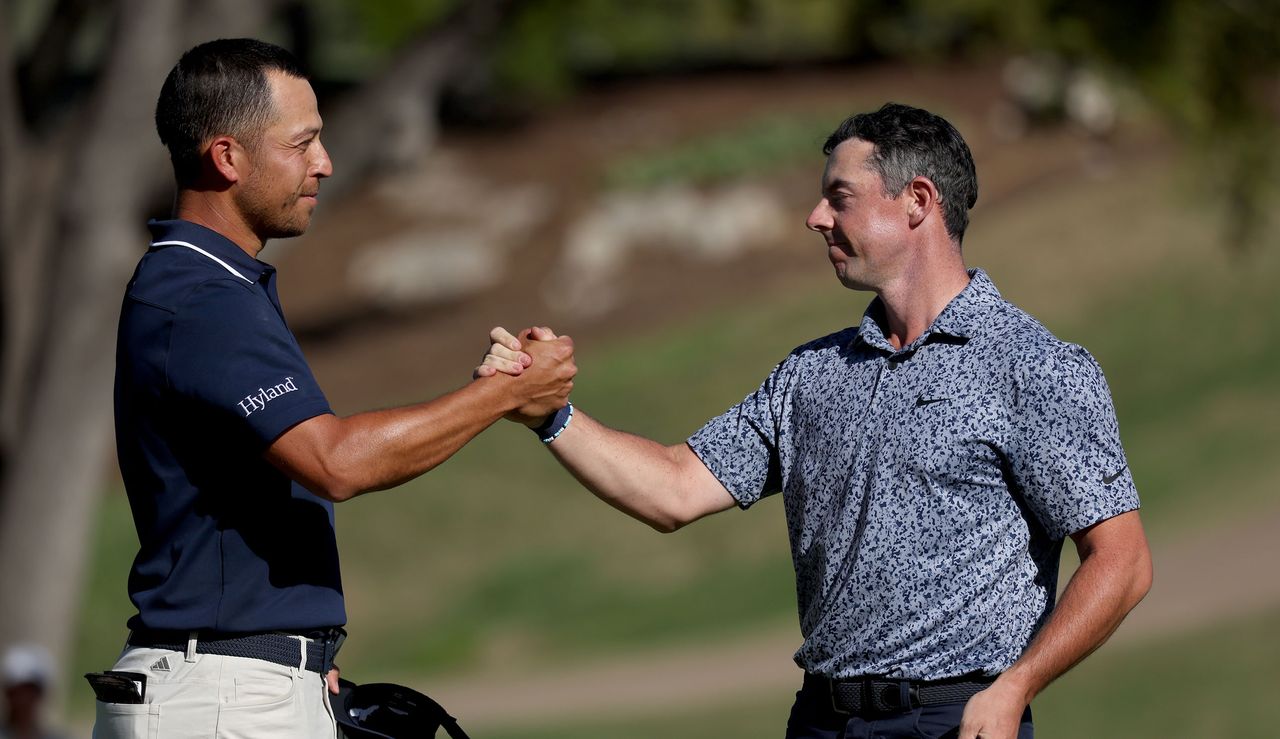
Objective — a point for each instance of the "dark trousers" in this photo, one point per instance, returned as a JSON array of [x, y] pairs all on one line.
[[813, 717]]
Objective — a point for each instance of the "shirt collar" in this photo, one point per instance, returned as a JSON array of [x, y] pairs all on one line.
[[963, 318], [213, 244]]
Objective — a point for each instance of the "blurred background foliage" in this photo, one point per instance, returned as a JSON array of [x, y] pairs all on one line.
[[1206, 66]]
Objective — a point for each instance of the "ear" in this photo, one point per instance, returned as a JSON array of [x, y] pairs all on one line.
[[922, 199], [228, 158]]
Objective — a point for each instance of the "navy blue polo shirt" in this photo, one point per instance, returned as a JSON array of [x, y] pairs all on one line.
[[207, 377]]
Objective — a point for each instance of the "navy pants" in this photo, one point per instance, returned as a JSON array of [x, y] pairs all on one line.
[[813, 717]]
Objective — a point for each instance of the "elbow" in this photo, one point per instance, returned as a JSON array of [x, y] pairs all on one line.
[[335, 485], [333, 490], [666, 524], [337, 493], [1143, 576], [672, 518]]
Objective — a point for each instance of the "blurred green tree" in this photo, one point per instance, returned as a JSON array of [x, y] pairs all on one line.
[[1207, 67]]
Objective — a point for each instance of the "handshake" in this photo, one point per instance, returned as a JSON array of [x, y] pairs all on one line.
[[538, 368]]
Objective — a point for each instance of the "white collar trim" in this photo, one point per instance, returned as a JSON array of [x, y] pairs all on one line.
[[193, 247]]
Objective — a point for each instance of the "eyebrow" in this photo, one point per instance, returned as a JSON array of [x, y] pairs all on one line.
[[305, 133], [838, 184]]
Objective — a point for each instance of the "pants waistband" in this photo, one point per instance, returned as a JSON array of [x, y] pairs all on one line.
[[313, 651], [872, 695]]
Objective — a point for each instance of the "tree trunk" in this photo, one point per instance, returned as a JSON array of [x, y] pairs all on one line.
[[53, 466]]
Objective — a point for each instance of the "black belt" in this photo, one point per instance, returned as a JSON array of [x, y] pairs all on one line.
[[883, 695], [276, 647]]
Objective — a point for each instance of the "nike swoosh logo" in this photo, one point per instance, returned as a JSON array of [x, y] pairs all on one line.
[[1108, 479], [923, 401]]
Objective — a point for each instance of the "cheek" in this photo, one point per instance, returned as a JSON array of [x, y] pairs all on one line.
[[882, 223]]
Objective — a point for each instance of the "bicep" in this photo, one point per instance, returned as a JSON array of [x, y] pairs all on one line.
[[1121, 536], [703, 492], [231, 353], [303, 451]]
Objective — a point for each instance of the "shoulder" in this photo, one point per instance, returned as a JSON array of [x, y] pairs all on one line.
[[1027, 346], [1044, 368], [222, 297], [222, 310], [807, 360], [823, 347], [172, 277], [814, 355]]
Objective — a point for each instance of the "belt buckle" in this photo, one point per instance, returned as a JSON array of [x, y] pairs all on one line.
[[888, 696], [333, 641], [883, 696]]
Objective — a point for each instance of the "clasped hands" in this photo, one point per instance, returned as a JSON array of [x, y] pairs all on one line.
[[543, 364]]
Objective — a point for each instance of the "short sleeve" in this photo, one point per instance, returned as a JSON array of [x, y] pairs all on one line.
[[1065, 453], [740, 446], [231, 351]]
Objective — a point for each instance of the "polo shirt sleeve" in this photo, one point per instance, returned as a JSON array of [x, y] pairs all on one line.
[[232, 352], [740, 446], [1065, 453]]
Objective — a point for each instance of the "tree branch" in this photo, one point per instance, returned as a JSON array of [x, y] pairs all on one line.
[[389, 120], [46, 66]]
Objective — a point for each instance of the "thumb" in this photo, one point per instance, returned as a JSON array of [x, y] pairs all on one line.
[[542, 333]]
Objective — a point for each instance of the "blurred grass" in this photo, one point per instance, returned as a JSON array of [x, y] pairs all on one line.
[[1219, 683], [757, 146], [499, 560]]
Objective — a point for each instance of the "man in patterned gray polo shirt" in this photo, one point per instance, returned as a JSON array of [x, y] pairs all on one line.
[[931, 460]]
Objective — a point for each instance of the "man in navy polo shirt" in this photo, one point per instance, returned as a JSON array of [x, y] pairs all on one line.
[[931, 460], [230, 454]]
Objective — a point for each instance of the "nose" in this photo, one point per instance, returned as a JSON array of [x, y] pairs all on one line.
[[819, 219], [322, 166]]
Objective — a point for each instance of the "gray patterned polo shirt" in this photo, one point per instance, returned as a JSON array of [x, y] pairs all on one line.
[[928, 490]]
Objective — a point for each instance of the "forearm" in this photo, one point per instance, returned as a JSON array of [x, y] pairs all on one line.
[[651, 482], [1105, 587], [1114, 574], [381, 449]]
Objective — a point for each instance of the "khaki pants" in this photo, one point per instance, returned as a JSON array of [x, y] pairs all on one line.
[[213, 696]]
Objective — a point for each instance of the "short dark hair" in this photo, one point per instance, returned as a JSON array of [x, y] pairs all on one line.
[[218, 88], [911, 142]]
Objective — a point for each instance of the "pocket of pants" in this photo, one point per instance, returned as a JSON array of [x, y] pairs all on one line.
[[939, 722], [263, 689], [265, 705], [126, 721]]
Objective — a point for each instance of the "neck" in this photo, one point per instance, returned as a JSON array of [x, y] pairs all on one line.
[[215, 211], [915, 299]]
